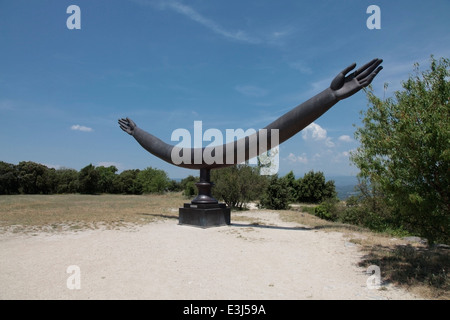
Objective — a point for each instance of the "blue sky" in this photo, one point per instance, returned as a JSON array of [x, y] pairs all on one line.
[[165, 64]]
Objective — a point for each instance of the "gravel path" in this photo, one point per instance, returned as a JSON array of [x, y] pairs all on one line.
[[164, 260]]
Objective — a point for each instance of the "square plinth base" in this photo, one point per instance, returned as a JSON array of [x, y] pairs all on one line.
[[204, 215]]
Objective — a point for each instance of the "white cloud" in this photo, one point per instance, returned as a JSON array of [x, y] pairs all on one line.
[[276, 38], [252, 91], [300, 159], [279, 38], [77, 127], [345, 138], [279, 34], [329, 143], [208, 23], [341, 157], [314, 132], [301, 66], [317, 133]]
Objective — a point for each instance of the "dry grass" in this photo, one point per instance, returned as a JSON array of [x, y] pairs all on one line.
[[32, 213]]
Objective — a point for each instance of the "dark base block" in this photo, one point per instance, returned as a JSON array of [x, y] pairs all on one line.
[[204, 215]]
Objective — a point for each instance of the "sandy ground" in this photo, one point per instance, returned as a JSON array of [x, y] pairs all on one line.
[[164, 260]]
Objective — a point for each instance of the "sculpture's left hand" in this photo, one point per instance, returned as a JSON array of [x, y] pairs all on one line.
[[344, 86], [127, 125]]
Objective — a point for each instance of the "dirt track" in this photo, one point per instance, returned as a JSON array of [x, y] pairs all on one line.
[[164, 260]]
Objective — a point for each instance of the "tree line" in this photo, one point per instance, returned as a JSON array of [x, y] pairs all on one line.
[[236, 186], [29, 177]]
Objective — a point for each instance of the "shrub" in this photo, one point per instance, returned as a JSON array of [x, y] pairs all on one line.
[[313, 188], [153, 180], [276, 195], [188, 186], [237, 185], [328, 209], [405, 152]]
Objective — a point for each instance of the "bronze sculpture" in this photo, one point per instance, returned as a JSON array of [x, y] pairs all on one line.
[[342, 87]]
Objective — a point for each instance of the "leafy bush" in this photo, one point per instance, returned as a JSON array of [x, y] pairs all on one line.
[[88, 179], [127, 182], [237, 185], [313, 188], [328, 209], [107, 176], [188, 186], [276, 195], [153, 180], [405, 152], [9, 183]]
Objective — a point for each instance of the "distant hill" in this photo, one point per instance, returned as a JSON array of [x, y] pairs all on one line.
[[345, 185]]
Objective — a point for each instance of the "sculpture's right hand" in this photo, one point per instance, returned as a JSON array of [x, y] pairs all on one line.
[[345, 85], [127, 125]]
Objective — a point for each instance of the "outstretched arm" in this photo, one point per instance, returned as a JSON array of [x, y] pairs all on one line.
[[148, 141], [342, 86]]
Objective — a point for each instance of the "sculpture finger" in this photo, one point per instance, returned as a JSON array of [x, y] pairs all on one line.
[[349, 68], [124, 128], [123, 125], [339, 80], [364, 67], [369, 79], [131, 123], [368, 70], [126, 122]]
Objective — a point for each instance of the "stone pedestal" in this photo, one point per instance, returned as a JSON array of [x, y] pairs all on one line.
[[204, 211], [204, 215]]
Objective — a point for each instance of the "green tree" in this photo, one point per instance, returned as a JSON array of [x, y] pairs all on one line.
[[66, 180], [405, 151], [127, 182], [9, 183], [47, 182], [313, 188], [369, 209], [292, 186], [174, 186], [276, 195], [88, 179], [31, 177], [106, 179], [188, 186], [153, 180], [237, 185]]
